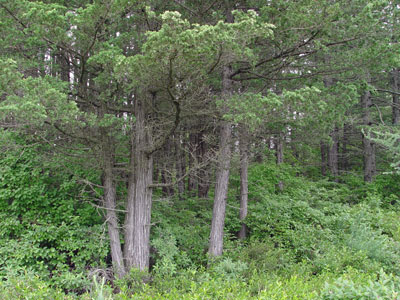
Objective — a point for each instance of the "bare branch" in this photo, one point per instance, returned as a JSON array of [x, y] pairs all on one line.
[[387, 91]]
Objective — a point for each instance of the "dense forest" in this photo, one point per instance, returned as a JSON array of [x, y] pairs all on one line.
[[187, 149]]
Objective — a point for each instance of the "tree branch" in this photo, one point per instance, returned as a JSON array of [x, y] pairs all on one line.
[[387, 91]]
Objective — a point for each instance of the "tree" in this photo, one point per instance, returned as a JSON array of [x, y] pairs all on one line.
[[118, 90]]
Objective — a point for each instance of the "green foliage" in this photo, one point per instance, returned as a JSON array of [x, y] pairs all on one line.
[[183, 225], [346, 287], [388, 136], [43, 228], [100, 291], [28, 286], [169, 258], [313, 222], [229, 269], [376, 246], [264, 256]]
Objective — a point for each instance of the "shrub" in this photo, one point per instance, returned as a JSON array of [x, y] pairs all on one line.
[[43, 227], [26, 285], [384, 287]]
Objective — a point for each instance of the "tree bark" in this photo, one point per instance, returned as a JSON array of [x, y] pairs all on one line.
[[395, 97], [192, 178], [344, 159], [204, 180], [333, 152], [137, 224], [222, 178], [180, 164], [130, 207], [279, 156], [279, 149], [368, 145], [244, 189], [143, 192], [110, 205], [167, 167], [324, 158]]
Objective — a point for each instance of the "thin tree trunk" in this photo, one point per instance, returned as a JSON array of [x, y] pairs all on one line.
[[222, 178], [179, 165], [130, 207], [279, 156], [395, 97], [324, 158], [110, 204], [344, 159], [244, 190], [333, 153], [166, 168], [369, 160], [279, 149], [192, 178], [204, 180], [368, 145], [65, 66]]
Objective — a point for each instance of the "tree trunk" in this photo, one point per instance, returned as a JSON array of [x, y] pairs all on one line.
[[222, 178], [344, 156], [143, 192], [279, 149], [192, 178], [369, 159], [204, 180], [65, 66], [137, 231], [324, 158], [368, 145], [166, 169], [333, 152], [244, 190], [395, 97], [130, 207], [180, 164], [279, 156], [110, 205]]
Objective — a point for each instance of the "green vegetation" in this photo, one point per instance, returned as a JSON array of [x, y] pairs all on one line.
[[187, 149], [314, 240]]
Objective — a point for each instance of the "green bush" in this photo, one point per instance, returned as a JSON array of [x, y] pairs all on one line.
[[383, 287], [28, 286], [187, 223], [44, 228]]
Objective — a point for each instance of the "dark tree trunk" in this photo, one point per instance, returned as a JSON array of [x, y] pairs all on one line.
[[167, 167], [368, 145], [344, 156], [279, 149], [180, 164], [395, 97], [369, 160], [333, 153], [222, 178], [244, 164], [324, 158], [279, 156], [204, 180], [65, 66], [192, 178]]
